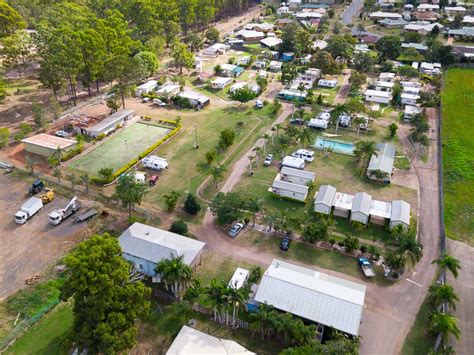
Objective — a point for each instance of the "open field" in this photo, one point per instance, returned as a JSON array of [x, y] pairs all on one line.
[[119, 149], [458, 153], [30, 248]]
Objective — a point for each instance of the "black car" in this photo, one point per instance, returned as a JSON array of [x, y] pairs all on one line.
[[297, 121], [285, 243]]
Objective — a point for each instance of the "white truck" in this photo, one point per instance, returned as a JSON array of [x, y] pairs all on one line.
[[292, 162], [28, 209], [57, 216], [155, 163]]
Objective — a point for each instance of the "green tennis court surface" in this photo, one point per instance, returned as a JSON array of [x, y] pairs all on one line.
[[121, 148]]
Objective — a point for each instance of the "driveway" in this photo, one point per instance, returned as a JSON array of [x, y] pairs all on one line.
[[352, 10], [390, 311], [344, 90]]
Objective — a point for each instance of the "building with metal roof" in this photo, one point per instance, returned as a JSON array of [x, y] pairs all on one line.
[[145, 246], [418, 46], [110, 123], [191, 341], [400, 214], [360, 210], [289, 190], [312, 295], [323, 200], [380, 211], [47, 145], [271, 42], [382, 160], [296, 176]]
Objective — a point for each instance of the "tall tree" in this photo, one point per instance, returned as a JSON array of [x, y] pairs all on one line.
[[446, 325], [126, 72], [363, 152], [17, 51], [443, 294], [182, 56], [187, 11], [10, 20], [389, 47], [448, 263], [130, 192], [107, 297], [175, 274]]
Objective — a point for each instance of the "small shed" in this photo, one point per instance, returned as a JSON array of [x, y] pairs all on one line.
[[342, 204], [360, 211], [324, 198], [400, 214], [195, 98], [221, 82], [382, 161], [289, 190], [47, 145], [110, 123]]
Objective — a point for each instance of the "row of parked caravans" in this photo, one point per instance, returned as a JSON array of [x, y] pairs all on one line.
[[322, 121]]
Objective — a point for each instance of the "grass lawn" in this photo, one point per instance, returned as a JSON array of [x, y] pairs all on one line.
[[418, 340], [48, 335], [458, 153], [115, 153], [188, 168], [402, 163]]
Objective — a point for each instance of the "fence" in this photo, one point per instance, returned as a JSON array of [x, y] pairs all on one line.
[[224, 318]]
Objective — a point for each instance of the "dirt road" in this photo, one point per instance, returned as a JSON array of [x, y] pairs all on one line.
[[390, 311], [343, 91], [228, 25]]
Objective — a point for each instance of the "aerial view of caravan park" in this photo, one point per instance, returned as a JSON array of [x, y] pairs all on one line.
[[217, 177]]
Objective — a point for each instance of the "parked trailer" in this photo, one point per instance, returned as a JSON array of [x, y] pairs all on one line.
[[292, 162], [366, 267], [86, 215], [28, 210]]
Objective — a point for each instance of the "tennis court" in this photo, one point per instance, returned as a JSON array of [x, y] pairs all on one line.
[[121, 148]]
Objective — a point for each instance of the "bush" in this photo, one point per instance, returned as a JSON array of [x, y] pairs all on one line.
[[101, 136], [179, 227], [191, 206], [332, 241], [160, 142], [134, 218]]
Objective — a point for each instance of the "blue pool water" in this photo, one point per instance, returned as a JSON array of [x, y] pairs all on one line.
[[336, 146]]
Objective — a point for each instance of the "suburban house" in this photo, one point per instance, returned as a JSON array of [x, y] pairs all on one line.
[[422, 27], [383, 85], [411, 111], [428, 16], [146, 88], [360, 211], [382, 97], [255, 88], [47, 145], [145, 246], [427, 7], [243, 61], [463, 32], [263, 27], [190, 341], [231, 70], [216, 49], [430, 68], [314, 296], [361, 207], [292, 183], [393, 23], [380, 15], [323, 199], [221, 82], [319, 44], [409, 99], [390, 77], [382, 162], [250, 36], [455, 10], [195, 98], [80, 124], [110, 123], [168, 90], [400, 214], [271, 42], [418, 46]]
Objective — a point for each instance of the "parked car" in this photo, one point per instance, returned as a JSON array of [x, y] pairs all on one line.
[[285, 243], [235, 229], [268, 160], [158, 102], [8, 167], [259, 104], [153, 180], [297, 121], [146, 99], [62, 134]]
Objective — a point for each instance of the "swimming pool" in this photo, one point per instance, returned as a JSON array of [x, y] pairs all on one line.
[[336, 146]]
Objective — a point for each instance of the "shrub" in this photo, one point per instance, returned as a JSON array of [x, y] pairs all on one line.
[[332, 241], [179, 227], [191, 206]]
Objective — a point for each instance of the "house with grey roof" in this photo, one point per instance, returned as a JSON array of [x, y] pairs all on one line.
[[463, 32], [323, 200], [393, 23], [382, 161], [110, 123], [296, 176], [418, 46], [400, 214], [313, 296], [289, 190], [145, 246], [360, 211]]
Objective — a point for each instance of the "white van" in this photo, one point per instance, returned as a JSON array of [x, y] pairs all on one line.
[[307, 155]]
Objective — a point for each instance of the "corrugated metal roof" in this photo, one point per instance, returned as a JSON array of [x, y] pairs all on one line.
[[111, 120], [297, 172], [400, 211], [361, 203], [325, 195], [380, 209], [384, 159], [154, 244], [312, 295], [283, 185]]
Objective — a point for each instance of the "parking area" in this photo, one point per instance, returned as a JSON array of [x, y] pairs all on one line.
[[27, 250]]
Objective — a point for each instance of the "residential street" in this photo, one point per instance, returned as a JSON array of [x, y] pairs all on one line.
[[390, 311], [351, 11]]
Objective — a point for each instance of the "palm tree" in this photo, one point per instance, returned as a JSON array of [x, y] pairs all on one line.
[[277, 128], [257, 151], [336, 112], [30, 164], [283, 324], [444, 324], [263, 319], [175, 274], [364, 150], [305, 135], [254, 205], [251, 158], [448, 262], [237, 298], [443, 294], [72, 179], [395, 261], [215, 293], [217, 173], [265, 137], [85, 180], [410, 248], [57, 174], [358, 121]]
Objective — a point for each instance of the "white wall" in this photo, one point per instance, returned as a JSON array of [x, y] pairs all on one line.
[[322, 208], [359, 217]]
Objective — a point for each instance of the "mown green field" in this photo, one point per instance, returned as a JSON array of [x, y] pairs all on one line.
[[458, 153]]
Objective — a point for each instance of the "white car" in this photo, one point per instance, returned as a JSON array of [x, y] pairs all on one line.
[[259, 104], [146, 99], [159, 102], [236, 228], [268, 160], [62, 134]]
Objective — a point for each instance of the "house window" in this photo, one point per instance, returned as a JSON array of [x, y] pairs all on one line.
[[140, 266]]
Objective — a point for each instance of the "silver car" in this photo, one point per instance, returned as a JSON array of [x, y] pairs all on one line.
[[236, 228], [268, 160]]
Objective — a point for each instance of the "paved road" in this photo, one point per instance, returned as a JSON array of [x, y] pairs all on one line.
[[390, 311], [351, 11], [344, 90]]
